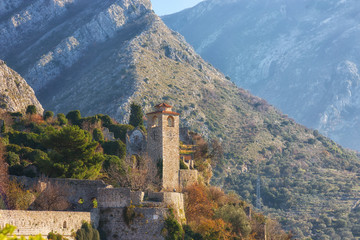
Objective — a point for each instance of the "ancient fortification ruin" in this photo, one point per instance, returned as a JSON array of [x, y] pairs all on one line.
[[161, 146]]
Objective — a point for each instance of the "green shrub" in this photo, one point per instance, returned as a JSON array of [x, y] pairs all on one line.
[[87, 232], [31, 140], [74, 117], [7, 232], [236, 216], [120, 130], [173, 228], [98, 135], [31, 109], [190, 234], [129, 214], [61, 119], [112, 162], [16, 114], [12, 159], [106, 120], [183, 165], [55, 236], [48, 115], [117, 148]]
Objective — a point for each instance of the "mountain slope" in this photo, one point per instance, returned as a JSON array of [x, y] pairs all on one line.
[[301, 56], [15, 93], [97, 64]]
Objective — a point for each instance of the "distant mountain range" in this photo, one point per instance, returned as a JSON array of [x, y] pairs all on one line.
[[99, 56], [301, 56]]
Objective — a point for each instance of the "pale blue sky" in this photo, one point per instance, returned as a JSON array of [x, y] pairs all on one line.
[[164, 7]]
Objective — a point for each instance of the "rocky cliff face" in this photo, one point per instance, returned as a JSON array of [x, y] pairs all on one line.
[[98, 57], [15, 93], [302, 56]]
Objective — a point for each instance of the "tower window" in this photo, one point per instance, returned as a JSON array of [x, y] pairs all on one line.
[[155, 121], [170, 121]]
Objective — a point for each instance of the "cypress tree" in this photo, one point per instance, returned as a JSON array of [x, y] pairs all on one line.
[[136, 115], [3, 128]]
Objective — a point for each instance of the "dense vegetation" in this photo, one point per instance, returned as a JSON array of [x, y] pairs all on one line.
[[75, 147], [71, 147], [313, 194]]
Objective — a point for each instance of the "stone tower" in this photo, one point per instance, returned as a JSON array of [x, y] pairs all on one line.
[[163, 143]]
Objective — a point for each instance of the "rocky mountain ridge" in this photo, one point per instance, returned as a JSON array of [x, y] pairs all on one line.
[[74, 64], [15, 93], [300, 56]]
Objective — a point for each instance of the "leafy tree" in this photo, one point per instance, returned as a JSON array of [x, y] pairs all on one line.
[[117, 148], [12, 159], [87, 232], [31, 140], [98, 135], [8, 230], [17, 197], [48, 115], [120, 130], [55, 236], [136, 115], [74, 117], [73, 153], [236, 217], [31, 109], [174, 228], [112, 162], [62, 120]]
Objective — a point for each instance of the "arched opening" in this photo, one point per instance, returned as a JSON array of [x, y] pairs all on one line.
[[155, 121], [64, 224], [170, 121]]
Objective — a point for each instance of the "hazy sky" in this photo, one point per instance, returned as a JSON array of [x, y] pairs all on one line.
[[163, 7]]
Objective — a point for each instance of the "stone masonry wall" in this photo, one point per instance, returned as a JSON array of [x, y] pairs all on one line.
[[188, 177], [171, 153], [113, 197], [35, 222], [170, 200], [147, 224], [86, 190]]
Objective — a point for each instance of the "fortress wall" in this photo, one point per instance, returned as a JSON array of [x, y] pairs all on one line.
[[113, 197], [87, 190], [147, 224], [188, 177], [137, 197], [172, 200], [35, 222]]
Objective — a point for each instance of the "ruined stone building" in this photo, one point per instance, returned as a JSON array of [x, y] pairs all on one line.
[[161, 145]]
